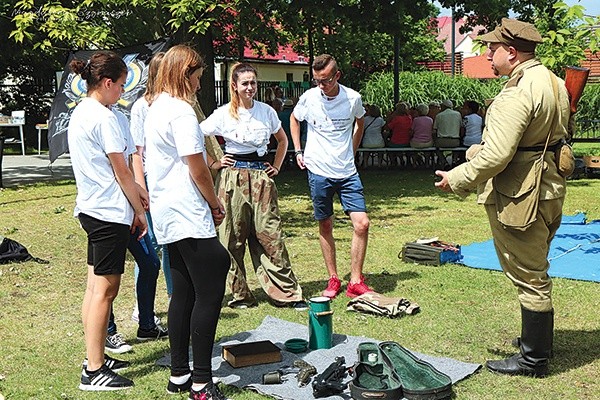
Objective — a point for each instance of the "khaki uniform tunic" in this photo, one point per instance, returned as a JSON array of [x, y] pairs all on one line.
[[521, 116]]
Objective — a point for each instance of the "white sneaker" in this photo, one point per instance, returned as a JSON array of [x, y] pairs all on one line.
[[116, 344]]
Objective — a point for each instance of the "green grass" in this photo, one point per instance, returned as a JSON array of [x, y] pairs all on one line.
[[467, 314]]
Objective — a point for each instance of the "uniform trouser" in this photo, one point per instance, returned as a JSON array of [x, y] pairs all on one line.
[[252, 215], [523, 255]]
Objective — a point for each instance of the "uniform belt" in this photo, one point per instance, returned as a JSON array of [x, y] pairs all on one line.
[[552, 147], [250, 165]]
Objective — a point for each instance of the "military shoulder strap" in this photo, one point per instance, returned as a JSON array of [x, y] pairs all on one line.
[[513, 81]]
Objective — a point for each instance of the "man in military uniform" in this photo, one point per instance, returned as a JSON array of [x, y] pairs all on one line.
[[529, 115]]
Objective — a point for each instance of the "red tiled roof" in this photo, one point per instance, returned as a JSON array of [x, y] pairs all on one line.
[[284, 53], [593, 63], [478, 67]]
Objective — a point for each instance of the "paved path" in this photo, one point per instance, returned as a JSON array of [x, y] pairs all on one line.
[[24, 170]]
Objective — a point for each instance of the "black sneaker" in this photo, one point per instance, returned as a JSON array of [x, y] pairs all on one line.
[[173, 388], [103, 380], [208, 392], [112, 363], [116, 344], [158, 332]]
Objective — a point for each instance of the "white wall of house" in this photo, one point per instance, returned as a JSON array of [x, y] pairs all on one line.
[[466, 46], [276, 72]]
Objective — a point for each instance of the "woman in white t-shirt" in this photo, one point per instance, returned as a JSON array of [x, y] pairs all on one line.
[[247, 190], [185, 210], [147, 291], [109, 205]]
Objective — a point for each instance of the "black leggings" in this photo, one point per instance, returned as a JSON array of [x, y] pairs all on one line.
[[199, 269]]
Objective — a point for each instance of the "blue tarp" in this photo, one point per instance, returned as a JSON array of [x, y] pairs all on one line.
[[574, 252]]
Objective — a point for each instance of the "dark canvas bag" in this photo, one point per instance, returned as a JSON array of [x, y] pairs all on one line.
[[430, 252], [13, 251]]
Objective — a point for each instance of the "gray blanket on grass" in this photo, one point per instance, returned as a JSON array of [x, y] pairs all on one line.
[[278, 331]]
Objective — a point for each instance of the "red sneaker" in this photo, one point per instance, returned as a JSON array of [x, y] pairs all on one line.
[[356, 289], [333, 287]]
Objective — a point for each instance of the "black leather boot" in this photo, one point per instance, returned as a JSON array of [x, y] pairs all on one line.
[[537, 330]]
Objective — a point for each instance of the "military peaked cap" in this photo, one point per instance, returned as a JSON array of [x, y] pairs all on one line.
[[518, 34]]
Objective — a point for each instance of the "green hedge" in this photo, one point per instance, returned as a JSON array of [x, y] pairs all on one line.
[[589, 105], [423, 87]]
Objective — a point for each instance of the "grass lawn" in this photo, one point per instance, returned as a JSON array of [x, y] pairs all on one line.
[[468, 314]]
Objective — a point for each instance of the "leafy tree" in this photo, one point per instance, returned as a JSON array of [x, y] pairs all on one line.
[[45, 26], [566, 36], [566, 30]]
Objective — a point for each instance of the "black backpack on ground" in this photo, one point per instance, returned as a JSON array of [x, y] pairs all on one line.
[[13, 251]]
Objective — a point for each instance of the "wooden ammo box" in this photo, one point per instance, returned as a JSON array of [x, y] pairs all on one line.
[[251, 353]]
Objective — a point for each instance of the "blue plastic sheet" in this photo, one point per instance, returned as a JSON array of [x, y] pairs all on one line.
[[574, 252]]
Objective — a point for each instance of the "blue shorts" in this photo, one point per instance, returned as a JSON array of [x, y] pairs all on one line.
[[350, 191]]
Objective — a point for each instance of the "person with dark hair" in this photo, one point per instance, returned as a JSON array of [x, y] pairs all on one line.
[[472, 124], [373, 137], [247, 189], [335, 128], [185, 211], [109, 206], [517, 179]]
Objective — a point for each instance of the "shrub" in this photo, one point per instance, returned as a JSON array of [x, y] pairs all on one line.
[[423, 87], [589, 104]]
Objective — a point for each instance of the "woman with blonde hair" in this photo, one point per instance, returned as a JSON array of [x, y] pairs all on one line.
[[185, 211], [247, 190]]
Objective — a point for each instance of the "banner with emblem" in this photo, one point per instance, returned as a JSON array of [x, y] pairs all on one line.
[[72, 90]]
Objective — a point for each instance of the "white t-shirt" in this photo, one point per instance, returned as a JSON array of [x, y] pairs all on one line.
[[447, 124], [139, 110], [250, 133], [329, 149], [124, 125], [473, 124], [372, 136], [178, 209], [94, 132]]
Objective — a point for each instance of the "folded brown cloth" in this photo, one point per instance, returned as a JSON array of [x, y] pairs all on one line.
[[378, 304]]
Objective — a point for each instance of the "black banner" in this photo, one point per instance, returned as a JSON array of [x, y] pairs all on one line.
[[72, 89]]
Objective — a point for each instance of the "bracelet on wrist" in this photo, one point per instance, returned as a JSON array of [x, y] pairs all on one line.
[[275, 168], [213, 208], [212, 163], [298, 152]]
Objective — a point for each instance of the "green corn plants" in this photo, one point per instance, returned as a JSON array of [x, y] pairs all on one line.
[[423, 87], [589, 104]]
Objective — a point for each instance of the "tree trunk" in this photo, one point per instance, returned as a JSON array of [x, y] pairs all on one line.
[[207, 97]]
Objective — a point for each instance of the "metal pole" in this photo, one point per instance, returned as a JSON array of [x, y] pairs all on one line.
[[452, 62], [396, 73]]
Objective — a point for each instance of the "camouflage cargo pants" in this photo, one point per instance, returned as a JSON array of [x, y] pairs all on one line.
[[252, 216]]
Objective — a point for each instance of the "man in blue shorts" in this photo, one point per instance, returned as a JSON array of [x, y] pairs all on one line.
[[334, 115]]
